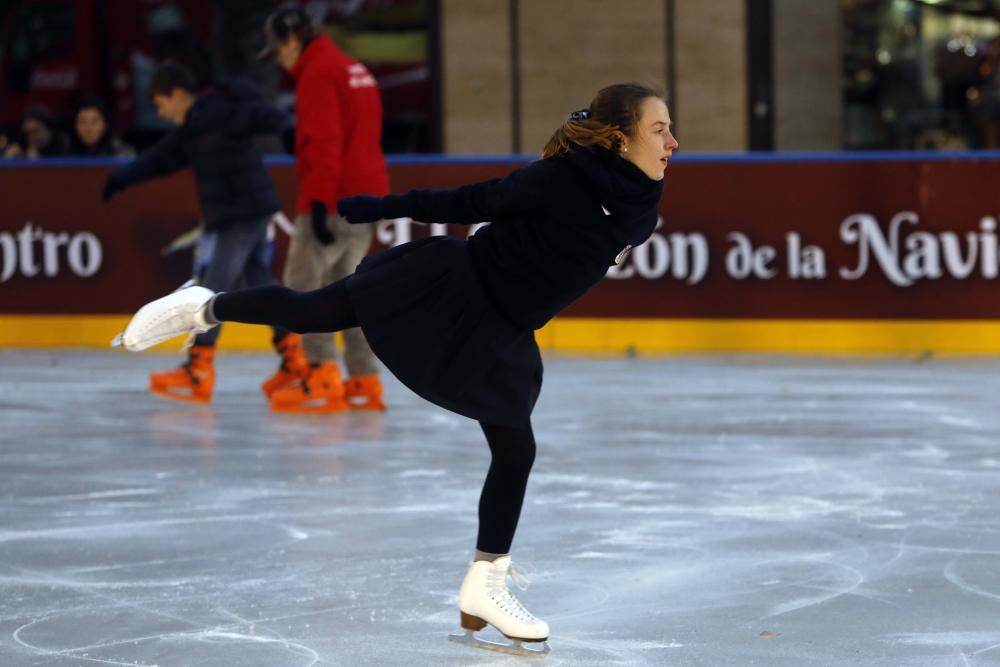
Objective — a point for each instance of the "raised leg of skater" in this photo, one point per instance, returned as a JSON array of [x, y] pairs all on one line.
[[197, 310], [327, 309]]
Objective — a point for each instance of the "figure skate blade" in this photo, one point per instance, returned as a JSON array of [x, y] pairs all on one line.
[[516, 647]]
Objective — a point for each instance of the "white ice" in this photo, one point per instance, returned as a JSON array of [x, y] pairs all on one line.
[[723, 511]]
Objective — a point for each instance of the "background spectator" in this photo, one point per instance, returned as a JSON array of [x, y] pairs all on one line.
[[39, 136], [92, 133]]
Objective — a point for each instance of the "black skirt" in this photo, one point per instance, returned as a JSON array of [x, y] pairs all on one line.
[[427, 317]]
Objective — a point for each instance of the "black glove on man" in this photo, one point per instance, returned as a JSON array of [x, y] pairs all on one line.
[[361, 209], [321, 230]]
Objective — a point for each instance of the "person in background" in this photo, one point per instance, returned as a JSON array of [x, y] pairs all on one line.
[[39, 136], [214, 135], [338, 153], [92, 134]]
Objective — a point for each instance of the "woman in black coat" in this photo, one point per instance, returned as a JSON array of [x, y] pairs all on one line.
[[470, 307]]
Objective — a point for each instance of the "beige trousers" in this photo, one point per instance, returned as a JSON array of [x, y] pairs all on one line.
[[311, 265]]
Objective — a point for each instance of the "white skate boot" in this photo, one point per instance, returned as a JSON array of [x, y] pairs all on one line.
[[181, 312], [485, 599]]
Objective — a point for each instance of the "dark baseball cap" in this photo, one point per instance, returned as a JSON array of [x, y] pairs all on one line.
[[284, 21]]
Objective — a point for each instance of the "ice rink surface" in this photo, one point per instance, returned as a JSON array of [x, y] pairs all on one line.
[[721, 511]]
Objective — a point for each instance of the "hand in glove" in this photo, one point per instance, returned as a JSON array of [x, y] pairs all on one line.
[[321, 230], [361, 209]]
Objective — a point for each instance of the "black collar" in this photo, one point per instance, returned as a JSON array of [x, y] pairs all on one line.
[[630, 196]]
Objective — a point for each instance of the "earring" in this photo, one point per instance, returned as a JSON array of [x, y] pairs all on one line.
[[625, 149]]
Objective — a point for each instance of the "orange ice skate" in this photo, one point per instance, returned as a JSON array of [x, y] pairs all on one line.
[[294, 366], [193, 381], [364, 392], [321, 392]]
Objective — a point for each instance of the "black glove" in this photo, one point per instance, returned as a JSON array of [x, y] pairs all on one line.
[[321, 230], [111, 186], [361, 209]]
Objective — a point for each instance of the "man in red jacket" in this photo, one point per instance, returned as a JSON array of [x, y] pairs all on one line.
[[338, 153]]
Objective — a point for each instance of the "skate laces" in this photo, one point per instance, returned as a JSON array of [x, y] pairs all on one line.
[[504, 597], [178, 317], [519, 575]]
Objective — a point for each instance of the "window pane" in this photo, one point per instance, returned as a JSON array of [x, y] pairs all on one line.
[[920, 75]]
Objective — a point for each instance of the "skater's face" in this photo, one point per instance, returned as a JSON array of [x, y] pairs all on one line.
[[90, 125], [287, 52], [652, 144], [173, 107]]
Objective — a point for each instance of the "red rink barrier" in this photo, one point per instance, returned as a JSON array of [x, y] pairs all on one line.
[[786, 239]]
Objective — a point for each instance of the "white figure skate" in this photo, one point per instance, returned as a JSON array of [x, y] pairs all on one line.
[[485, 599], [181, 312]]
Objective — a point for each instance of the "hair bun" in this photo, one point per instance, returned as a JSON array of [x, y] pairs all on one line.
[[582, 114]]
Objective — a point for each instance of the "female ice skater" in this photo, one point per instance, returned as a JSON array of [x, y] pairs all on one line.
[[454, 319]]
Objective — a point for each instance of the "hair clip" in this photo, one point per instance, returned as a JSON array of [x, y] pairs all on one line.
[[582, 114]]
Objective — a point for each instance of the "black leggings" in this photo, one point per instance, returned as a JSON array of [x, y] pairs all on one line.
[[513, 450], [330, 309], [326, 309]]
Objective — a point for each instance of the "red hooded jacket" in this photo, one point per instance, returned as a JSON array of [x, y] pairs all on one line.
[[338, 132]]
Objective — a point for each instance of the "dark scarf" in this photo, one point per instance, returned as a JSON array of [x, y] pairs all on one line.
[[632, 197]]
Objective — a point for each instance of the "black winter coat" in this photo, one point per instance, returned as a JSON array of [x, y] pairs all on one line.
[[558, 224], [454, 319]]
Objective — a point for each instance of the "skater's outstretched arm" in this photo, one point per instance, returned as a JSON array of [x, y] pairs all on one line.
[[523, 191], [165, 157]]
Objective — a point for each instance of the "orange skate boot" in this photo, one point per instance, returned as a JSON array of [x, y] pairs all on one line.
[[193, 381], [294, 365], [321, 392], [364, 392]]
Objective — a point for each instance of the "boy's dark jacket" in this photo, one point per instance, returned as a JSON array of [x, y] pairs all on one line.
[[216, 141]]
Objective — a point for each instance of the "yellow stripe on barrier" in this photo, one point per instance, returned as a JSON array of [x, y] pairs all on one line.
[[676, 336], [99, 330], [605, 336]]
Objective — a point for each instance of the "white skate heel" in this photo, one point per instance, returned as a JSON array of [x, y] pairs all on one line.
[[485, 599], [181, 312]]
